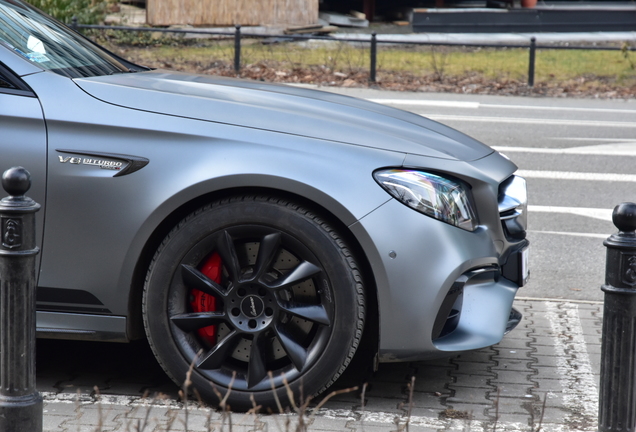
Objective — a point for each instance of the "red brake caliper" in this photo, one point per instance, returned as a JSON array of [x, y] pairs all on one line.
[[202, 302]]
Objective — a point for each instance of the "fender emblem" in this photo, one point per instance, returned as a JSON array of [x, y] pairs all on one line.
[[126, 164]]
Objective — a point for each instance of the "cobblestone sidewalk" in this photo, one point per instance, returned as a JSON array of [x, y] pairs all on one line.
[[544, 374]]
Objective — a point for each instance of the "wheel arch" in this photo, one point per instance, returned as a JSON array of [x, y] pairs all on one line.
[[135, 328]]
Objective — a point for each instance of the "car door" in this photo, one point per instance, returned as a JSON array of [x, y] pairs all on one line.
[[23, 138]]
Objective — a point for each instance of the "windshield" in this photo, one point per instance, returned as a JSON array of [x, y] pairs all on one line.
[[53, 46]]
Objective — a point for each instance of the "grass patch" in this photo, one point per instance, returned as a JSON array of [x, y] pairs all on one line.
[[417, 67], [570, 64]]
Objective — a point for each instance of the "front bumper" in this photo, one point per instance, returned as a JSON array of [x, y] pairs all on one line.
[[417, 263]]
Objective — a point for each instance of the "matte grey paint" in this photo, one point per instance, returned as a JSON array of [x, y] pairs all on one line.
[[202, 135], [23, 142], [289, 110]]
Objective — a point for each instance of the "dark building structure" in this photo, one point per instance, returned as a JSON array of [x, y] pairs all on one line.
[[485, 16]]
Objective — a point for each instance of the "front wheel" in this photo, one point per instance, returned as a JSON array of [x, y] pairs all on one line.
[[254, 292]]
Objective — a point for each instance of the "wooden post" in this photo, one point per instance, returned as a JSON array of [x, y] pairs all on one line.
[[369, 9]]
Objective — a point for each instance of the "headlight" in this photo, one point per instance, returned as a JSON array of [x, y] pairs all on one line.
[[433, 195]]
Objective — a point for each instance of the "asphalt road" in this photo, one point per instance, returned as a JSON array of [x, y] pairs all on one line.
[[578, 156]]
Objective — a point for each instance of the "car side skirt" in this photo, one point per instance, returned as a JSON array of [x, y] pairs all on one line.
[[58, 325]]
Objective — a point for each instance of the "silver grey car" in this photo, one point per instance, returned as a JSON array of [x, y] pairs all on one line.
[[262, 234]]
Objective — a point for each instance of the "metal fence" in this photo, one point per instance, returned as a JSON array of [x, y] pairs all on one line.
[[372, 41]]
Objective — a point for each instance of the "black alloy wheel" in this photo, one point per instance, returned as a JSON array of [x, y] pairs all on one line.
[[254, 292]]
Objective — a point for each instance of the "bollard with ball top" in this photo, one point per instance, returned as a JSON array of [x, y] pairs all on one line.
[[617, 392], [20, 402]]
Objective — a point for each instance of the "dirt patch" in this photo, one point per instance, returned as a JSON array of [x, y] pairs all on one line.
[[470, 83], [450, 413]]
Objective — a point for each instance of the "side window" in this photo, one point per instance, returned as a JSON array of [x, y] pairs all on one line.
[[10, 83], [5, 83]]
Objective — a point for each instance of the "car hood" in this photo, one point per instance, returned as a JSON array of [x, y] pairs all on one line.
[[284, 109]]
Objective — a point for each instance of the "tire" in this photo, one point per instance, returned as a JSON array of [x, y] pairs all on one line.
[[251, 285]]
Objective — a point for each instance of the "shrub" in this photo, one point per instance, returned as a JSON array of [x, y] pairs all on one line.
[[86, 11]]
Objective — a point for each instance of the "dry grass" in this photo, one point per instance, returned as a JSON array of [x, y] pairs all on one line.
[[151, 414], [588, 73]]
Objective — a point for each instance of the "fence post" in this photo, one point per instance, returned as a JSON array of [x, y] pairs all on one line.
[[374, 56], [533, 49], [20, 402], [237, 49], [617, 392], [74, 23]]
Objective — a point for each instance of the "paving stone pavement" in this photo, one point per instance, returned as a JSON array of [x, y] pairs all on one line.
[[543, 375]]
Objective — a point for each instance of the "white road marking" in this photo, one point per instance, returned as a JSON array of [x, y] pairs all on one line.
[[339, 416], [568, 175], [433, 103], [561, 108], [618, 149], [572, 234], [595, 213], [123, 400], [557, 300], [539, 121], [368, 418], [580, 395], [627, 140], [476, 105]]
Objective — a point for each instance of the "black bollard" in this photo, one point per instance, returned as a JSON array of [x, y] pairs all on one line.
[[531, 63], [374, 57], [20, 402], [617, 392], [237, 49]]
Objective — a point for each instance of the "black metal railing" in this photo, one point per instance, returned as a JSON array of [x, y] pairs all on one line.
[[373, 40]]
